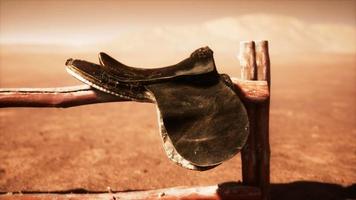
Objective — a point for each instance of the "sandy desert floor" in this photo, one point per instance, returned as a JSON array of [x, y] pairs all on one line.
[[117, 145]]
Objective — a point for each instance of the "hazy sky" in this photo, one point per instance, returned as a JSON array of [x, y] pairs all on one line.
[[143, 23], [78, 22]]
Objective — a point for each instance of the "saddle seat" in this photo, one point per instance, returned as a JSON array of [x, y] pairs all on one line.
[[129, 82], [200, 62]]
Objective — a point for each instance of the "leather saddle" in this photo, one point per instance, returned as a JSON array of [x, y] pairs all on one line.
[[202, 120]]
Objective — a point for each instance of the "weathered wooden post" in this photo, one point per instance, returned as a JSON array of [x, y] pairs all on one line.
[[262, 116], [255, 66], [248, 73]]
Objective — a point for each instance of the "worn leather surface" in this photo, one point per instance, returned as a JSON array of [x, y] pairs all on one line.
[[202, 120], [199, 62]]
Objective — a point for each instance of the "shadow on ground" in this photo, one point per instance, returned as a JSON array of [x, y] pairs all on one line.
[[300, 190], [309, 190]]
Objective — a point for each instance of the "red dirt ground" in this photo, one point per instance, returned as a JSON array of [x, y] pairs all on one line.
[[117, 145]]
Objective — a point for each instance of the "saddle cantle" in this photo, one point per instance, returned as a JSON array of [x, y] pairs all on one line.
[[202, 120]]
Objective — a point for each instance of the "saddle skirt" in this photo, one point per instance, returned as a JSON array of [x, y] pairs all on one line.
[[202, 120]]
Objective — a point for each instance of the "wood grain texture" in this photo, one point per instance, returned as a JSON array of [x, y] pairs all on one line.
[[262, 118], [214, 192], [62, 97], [263, 62], [252, 91], [255, 83], [247, 58], [81, 95], [249, 75]]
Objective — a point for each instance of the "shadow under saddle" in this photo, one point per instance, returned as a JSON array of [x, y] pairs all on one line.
[[202, 120]]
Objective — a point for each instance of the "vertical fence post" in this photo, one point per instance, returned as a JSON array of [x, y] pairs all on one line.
[[255, 156], [248, 153], [262, 119]]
